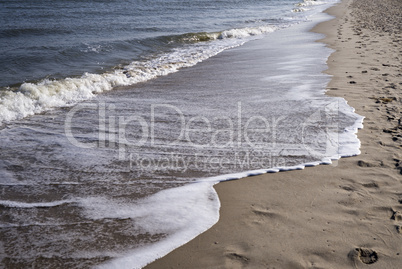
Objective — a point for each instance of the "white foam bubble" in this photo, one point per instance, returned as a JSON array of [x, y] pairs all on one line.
[[182, 212], [246, 32]]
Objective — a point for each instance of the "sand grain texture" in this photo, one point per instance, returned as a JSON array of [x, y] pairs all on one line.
[[346, 215]]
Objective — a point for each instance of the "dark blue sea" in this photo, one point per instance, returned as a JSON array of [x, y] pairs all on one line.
[[117, 117]]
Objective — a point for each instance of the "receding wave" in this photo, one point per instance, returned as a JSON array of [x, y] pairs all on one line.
[[33, 98], [233, 33]]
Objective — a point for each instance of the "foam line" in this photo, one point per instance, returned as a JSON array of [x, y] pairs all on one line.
[[15, 204]]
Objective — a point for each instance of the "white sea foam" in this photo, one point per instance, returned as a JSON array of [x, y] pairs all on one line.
[[307, 5], [182, 212], [311, 3], [246, 32]]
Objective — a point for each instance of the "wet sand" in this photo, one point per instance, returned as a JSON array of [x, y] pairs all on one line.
[[344, 215]]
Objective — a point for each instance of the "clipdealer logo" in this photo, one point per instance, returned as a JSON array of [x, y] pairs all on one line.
[[251, 139], [113, 129]]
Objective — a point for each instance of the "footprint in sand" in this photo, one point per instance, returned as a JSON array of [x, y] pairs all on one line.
[[365, 255], [236, 260], [372, 185], [396, 215], [362, 163], [238, 257], [264, 212]]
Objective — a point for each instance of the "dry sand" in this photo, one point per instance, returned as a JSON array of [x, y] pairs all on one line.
[[337, 216]]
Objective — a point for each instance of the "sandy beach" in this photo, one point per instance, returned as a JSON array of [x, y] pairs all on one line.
[[344, 215]]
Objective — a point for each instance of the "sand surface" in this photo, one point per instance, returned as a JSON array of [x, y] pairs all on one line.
[[345, 215]]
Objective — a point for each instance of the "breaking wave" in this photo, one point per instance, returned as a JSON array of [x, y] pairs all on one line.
[[34, 98]]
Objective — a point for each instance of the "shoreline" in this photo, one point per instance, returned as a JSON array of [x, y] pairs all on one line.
[[326, 216]]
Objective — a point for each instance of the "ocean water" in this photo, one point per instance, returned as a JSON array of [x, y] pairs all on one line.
[[57, 53], [118, 117]]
